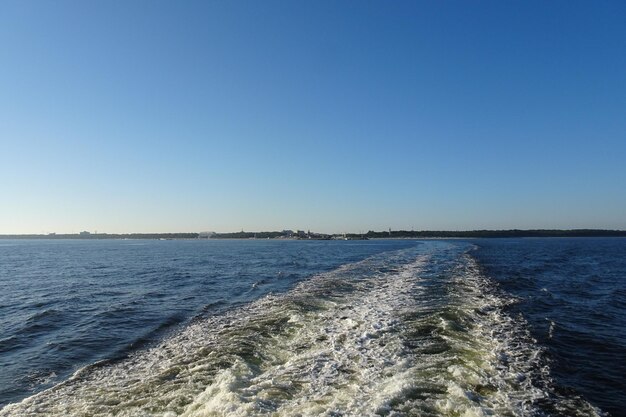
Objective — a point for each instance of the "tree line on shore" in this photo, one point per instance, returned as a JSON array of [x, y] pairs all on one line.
[[394, 234], [494, 233]]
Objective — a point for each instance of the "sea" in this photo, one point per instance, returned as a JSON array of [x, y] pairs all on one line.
[[481, 327]]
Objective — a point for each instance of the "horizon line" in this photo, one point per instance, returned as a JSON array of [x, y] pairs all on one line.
[[370, 231]]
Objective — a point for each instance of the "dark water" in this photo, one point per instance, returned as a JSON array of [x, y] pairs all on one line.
[[195, 328], [573, 294]]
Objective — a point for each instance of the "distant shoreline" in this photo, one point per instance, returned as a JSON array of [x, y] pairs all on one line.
[[300, 235]]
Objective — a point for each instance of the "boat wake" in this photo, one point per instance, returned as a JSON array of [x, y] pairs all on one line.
[[416, 332]]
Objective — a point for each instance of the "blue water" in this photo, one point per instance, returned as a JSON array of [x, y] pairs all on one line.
[[67, 303], [573, 294], [256, 327]]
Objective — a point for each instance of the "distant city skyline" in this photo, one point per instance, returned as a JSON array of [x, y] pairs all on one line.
[[155, 117]]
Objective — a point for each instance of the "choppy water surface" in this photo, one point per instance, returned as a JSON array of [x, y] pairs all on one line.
[[573, 294], [399, 328]]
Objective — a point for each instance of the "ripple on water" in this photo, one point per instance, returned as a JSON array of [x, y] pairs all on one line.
[[410, 333]]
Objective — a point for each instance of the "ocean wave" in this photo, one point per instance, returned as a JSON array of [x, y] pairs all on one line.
[[416, 332]]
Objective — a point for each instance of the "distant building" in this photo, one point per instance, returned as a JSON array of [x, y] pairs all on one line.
[[84, 233], [205, 235]]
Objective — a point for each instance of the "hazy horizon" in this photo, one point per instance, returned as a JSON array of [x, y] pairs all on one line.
[[326, 232], [149, 117]]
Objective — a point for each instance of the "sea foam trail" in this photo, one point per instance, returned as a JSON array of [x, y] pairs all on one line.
[[416, 332]]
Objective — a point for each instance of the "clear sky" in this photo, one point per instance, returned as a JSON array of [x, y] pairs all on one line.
[[154, 116]]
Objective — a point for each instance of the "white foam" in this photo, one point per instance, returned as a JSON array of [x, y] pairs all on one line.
[[353, 342]]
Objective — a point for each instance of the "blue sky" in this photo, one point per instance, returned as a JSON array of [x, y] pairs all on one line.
[[148, 116]]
